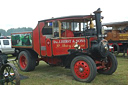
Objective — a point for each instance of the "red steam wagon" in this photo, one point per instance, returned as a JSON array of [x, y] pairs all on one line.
[[73, 42]]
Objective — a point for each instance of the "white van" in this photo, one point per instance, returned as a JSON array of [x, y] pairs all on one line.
[[5, 46]]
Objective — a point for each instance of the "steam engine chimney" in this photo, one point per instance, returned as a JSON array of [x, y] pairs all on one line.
[[98, 23]]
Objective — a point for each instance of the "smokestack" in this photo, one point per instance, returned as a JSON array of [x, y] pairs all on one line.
[[98, 23]]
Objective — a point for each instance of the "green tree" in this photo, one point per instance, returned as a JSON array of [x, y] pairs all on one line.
[[2, 32], [17, 30]]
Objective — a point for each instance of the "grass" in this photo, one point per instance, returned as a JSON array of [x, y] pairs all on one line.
[[47, 75]]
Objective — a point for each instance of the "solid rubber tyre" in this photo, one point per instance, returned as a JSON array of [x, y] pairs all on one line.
[[35, 56], [87, 64], [111, 65], [26, 61]]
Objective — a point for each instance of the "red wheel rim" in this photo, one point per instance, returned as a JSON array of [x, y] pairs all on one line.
[[23, 61], [81, 69]]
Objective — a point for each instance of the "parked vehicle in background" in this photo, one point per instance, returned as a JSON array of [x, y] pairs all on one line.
[[117, 36], [5, 46]]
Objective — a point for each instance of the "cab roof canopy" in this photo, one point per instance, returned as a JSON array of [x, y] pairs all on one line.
[[111, 24], [68, 18]]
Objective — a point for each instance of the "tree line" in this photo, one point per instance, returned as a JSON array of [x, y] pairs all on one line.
[[14, 30]]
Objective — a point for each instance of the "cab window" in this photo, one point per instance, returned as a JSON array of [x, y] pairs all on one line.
[[74, 26], [47, 29]]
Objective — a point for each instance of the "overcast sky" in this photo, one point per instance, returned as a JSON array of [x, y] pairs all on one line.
[[27, 13]]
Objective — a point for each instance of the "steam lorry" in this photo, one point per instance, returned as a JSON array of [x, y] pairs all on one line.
[[72, 42]]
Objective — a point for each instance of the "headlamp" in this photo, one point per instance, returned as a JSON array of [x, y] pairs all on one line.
[[77, 46]]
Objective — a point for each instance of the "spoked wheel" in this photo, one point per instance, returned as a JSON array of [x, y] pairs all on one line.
[[110, 66], [9, 75], [83, 68]]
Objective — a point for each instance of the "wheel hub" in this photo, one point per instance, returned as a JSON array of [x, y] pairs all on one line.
[[23, 61], [81, 69]]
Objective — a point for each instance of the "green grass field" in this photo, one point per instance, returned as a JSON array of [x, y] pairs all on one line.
[[47, 75]]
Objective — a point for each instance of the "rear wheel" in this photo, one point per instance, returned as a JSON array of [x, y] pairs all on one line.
[[111, 65], [83, 68], [26, 61]]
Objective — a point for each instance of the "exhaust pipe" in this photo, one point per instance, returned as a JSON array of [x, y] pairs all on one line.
[[98, 23]]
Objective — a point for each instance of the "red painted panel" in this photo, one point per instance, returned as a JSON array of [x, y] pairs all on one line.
[[42, 40], [43, 45], [48, 47], [61, 46], [51, 60], [35, 40]]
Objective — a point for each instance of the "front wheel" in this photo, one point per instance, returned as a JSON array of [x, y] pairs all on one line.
[[83, 68], [110, 66]]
